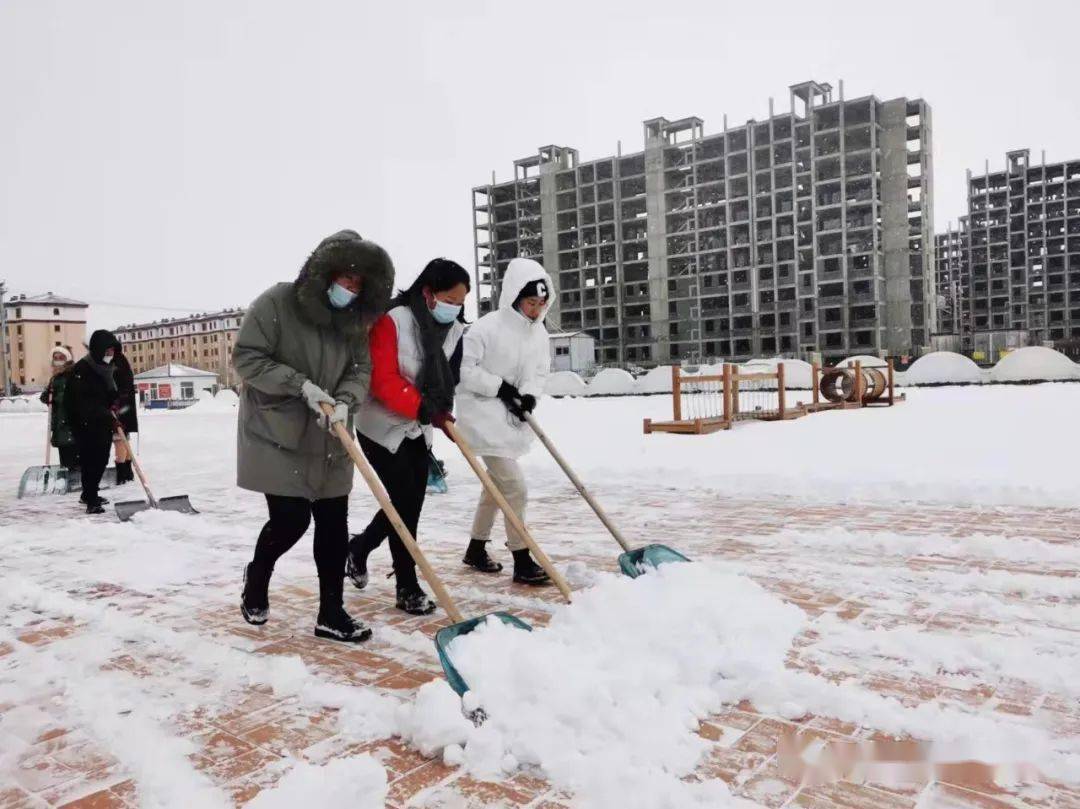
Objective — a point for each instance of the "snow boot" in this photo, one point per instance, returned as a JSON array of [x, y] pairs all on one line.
[[413, 600], [477, 556], [100, 500], [96, 507], [255, 598], [526, 571], [334, 623], [124, 473], [356, 561]]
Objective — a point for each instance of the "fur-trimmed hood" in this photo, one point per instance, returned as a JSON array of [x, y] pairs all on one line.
[[345, 251]]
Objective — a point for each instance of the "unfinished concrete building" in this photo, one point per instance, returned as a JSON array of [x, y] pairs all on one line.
[[1021, 255], [950, 258], [806, 232]]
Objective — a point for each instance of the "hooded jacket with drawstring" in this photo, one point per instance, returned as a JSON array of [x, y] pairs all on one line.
[[291, 334], [503, 345]]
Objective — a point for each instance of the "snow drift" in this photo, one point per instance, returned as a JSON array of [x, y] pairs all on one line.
[[565, 383], [942, 368], [1034, 364], [611, 382]]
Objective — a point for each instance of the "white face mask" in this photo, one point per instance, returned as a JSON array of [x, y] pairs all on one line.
[[107, 358]]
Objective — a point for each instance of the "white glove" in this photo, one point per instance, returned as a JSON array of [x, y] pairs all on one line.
[[314, 396], [339, 416]]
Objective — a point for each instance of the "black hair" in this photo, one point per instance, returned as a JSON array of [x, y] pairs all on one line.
[[439, 275]]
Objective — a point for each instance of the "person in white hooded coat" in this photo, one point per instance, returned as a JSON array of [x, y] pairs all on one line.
[[505, 363]]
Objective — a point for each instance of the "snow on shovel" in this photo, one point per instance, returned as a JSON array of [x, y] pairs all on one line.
[[461, 625], [125, 511], [55, 478], [633, 561]]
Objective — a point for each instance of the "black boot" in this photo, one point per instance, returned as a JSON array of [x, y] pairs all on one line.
[[99, 500], [356, 562], [124, 473], [255, 598], [333, 622], [96, 507], [477, 556], [526, 571], [413, 600]]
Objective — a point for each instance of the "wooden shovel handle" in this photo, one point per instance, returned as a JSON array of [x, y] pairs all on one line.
[[135, 465], [578, 484], [515, 521], [383, 499]]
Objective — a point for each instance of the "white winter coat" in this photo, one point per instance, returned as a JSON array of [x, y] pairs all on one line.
[[503, 345]]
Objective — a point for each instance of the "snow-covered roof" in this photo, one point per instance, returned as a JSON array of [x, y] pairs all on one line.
[[173, 370], [47, 299]]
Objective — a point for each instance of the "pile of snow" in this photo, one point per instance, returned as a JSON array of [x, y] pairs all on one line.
[[1034, 364], [657, 380], [943, 367], [227, 396], [213, 404], [7, 406], [864, 360], [798, 374], [204, 394], [20, 405], [565, 383], [611, 382], [358, 782], [606, 699]]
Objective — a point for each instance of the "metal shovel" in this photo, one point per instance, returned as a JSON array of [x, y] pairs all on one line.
[[633, 561], [55, 478], [461, 625], [125, 511]]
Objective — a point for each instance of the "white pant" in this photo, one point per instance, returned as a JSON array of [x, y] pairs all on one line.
[[510, 480]]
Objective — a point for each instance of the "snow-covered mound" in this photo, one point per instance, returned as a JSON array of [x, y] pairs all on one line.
[[1034, 364], [865, 361], [657, 380], [565, 383], [204, 394], [692, 638], [797, 373], [611, 382], [227, 396], [213, 404], [20, 405], [943, 367]]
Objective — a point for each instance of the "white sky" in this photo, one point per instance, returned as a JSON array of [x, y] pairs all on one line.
[[188, 154]]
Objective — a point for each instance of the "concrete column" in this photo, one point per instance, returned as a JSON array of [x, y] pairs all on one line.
[[550, 237], [657, 240], [895, 227]]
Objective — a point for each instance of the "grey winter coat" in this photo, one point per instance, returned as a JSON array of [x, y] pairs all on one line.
[[289, 335]]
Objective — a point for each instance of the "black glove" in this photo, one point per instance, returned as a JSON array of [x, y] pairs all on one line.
[[528, 402], [509, 394]]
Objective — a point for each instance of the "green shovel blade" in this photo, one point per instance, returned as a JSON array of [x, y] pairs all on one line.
[[447, 634], [634, 563]]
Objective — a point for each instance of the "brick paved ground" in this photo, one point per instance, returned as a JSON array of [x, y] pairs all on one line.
[[240, 738]]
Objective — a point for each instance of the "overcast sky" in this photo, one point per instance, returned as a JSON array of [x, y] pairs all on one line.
[[188, 154]]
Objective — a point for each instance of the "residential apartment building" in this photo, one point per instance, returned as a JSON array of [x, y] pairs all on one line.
[[810, 231], [35, 326], [1021, 254], [203, 341]]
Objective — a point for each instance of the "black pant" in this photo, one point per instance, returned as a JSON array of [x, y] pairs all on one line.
[[93, 458], [289, 520], [404, 474], [69, 456]]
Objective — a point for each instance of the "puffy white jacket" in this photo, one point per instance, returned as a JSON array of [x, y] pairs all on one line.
[[503, 345]]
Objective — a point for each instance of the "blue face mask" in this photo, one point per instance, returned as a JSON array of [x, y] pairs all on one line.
[[445, 312], [339, 296]]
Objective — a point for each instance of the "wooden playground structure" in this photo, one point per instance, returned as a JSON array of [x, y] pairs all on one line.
[[711, 402]]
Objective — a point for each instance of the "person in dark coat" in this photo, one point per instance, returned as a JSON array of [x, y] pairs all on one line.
[[125, 411], [90, 399], [54, 395], [301, 345]]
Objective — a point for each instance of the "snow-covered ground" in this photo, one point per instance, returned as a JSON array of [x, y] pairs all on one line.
[[605, 700]]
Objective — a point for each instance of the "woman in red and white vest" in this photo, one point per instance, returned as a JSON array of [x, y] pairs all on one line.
[[416, 364]]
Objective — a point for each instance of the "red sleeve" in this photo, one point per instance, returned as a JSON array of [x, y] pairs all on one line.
[[388, 386]]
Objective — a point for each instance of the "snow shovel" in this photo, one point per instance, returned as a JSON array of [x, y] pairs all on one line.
[[632, 562], [461, 625], [515, 521], [436, 477], [125, 511], [50, 478]]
